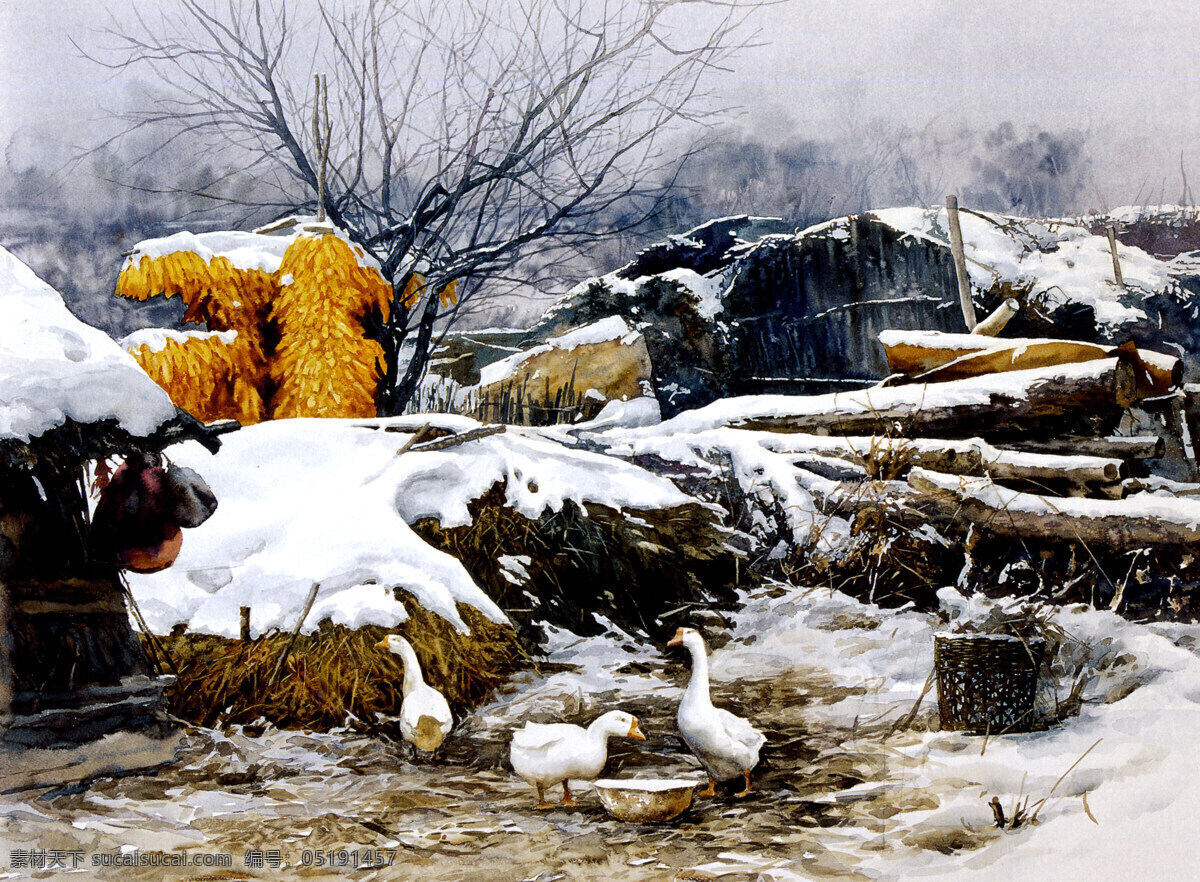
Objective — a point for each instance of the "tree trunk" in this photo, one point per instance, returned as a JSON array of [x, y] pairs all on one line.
[[401, 393]]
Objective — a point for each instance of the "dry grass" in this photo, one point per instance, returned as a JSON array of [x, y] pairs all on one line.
[[335, 676], [629, 569]]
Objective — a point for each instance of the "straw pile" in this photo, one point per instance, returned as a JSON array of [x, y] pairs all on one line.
[[630, 568], [335, 676]]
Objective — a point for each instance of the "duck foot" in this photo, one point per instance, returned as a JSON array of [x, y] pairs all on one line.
[[744, 793], [568, 800], [711, 789], [545, 806]]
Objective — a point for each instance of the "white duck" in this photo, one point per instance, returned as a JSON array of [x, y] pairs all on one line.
[[726, 745], [544, 754], [424, 714]]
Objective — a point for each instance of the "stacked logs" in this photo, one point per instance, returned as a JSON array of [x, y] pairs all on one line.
[[1039, 439]]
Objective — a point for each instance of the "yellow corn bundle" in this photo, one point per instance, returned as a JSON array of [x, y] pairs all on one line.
[[416, 286], [323, 365], [210, 379], [218, 294]]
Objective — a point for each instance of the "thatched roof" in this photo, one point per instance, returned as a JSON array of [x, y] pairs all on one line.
[[67, 391]]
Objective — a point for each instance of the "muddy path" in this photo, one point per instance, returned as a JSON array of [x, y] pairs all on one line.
[[345, 806]]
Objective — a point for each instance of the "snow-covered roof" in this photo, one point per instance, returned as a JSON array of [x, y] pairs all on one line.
[[1063, 261], [55, 368]]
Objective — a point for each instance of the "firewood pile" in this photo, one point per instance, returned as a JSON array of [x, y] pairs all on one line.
[[1019, 438]]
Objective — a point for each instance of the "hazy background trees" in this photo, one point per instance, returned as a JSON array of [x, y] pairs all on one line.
[[467, 138], [72, 218]]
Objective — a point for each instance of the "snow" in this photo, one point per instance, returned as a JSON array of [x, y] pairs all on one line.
[[540, 475], [1057, 260], [607, 329], [1147, 756], [158, 338], [245, 251], [55, 368], [1183, 511], [708, 290], [329, 501], [766, 477]]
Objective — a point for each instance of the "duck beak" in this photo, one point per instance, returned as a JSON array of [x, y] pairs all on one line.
[[382, 644], [677, 640], [635, 732]]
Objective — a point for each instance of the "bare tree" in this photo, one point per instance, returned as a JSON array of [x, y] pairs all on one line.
[[467, 136]]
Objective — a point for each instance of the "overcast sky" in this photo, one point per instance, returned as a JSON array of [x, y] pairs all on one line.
[[1128, 72]]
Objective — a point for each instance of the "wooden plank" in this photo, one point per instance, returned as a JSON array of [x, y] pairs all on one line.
[[960, 263], [1116, 446]]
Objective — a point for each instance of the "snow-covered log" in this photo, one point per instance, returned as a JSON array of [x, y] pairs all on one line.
[[958, 457], [931, 356], [1019, 402], [1134, 522], [970, 456], [1016, 465], [1115, 447]]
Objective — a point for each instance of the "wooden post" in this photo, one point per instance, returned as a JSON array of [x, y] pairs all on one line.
[[321, 138], [1112, 247], [312, 596], [244, 622], [1191, 414], [6, 668], [960, 263]]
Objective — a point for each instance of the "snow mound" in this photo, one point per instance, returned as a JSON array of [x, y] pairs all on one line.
[[329, 501], [260, 250], [55, 368], [245, 251]]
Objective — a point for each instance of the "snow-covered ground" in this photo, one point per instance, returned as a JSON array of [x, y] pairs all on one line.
[[840, 793]]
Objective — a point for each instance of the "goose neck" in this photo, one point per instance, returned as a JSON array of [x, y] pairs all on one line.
[[600, 730], [412, 669], [698, 683]]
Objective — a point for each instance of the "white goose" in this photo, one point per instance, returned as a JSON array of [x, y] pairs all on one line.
[[726, 745], [545, 754], [425, 717]]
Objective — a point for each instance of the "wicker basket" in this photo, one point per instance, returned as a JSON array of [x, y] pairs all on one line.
[[987, 683]]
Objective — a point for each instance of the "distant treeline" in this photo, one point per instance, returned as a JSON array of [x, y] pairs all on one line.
[[71, 218]]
